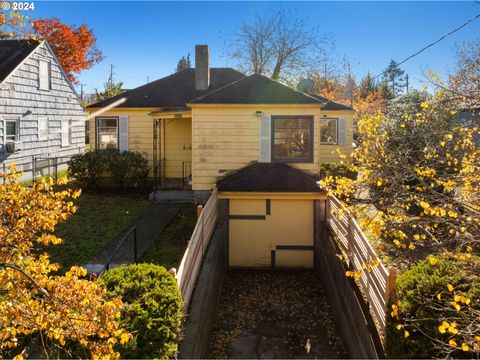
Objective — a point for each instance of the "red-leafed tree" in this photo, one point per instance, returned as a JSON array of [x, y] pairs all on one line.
[[74, 46]]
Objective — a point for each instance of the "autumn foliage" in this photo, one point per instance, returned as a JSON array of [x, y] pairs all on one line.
[[13, 24], [75, 47], [61, 312]]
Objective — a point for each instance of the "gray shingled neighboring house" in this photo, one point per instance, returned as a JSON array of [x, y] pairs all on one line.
[[41, 116]]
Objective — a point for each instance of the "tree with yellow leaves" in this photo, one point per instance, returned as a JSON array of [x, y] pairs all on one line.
[[67, 315], [13, 24], [418, 193]]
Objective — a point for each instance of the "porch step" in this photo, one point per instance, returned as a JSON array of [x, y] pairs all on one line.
[[183, 196]]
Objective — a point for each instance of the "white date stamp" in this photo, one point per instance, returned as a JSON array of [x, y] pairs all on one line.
[[18, 6]]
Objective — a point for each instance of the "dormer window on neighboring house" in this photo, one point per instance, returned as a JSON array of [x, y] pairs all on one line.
[[292, 138], [44, 75]]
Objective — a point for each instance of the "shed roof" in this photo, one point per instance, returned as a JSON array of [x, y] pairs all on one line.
[[13, 52], [255, 89], [172, 91], [269, 177]]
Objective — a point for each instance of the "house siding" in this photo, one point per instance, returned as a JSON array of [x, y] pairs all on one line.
[[20, 94], [226, 138], [178, 137]]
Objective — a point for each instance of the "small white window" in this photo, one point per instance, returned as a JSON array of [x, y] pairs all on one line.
[[66, 132], [42, 128], [44, 76], [12, 130], [328, 131], [107, 133]]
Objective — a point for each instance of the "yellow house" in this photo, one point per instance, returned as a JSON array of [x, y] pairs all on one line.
[[216, 123]]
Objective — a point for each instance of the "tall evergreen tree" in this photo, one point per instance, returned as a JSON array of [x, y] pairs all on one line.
[[393, 76], [111, 88], [184, 63], [367, 86]]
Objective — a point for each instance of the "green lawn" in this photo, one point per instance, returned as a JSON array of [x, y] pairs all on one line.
[[99, 219], [168, 248]]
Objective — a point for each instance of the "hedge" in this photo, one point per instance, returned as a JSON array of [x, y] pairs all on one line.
[[153, 311]]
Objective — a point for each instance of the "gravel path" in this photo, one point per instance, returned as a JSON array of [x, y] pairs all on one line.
[[274, 314]]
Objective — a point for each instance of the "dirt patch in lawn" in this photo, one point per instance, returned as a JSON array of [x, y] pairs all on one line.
[[274, 314]]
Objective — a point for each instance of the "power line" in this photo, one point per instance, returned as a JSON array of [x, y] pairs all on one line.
[[433, 43]]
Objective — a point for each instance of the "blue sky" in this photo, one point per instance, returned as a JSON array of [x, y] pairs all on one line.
[[147, 38]]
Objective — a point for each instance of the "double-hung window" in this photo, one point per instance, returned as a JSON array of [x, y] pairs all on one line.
[[107, 133], [12, 130], [292, 138], [328, 131]]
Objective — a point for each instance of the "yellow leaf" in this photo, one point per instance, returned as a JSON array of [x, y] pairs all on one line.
[[452, 343], [406, 334], [450, 287], [399, 327], [442, 330], [465, 347], [439, 296]]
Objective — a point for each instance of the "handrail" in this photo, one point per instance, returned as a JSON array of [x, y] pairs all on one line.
[[106, 267]]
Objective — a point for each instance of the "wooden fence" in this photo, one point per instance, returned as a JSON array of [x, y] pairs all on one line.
[[192, 259], [377, 281]]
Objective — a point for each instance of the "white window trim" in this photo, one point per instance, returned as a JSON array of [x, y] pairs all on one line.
[[337, 136], [97, 140], [49, 75], [42, 137], [15, 120]]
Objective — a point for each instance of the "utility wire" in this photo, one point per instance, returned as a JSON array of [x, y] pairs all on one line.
[[432, 44]]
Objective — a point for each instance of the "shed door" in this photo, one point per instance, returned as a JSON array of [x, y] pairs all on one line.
[[271, 233]]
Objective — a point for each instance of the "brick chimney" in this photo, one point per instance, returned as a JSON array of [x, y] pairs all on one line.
[[202, 67]]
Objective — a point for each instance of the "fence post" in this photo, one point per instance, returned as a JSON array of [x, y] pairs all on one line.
[[350, 240], [135, 243], [199, 210], [34, 169], [55, 163], [391, 283]]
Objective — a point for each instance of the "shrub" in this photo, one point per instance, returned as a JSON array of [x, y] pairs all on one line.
[[438, 303], [153, 311], [336, 170], [88, 167], [125, 168], [128, 167]]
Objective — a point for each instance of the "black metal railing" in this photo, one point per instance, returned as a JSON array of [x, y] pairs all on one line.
[[133, 231]]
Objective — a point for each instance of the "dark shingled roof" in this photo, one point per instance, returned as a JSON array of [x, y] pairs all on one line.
[[255, 89], [172, 91], [329, 104], [12, 53], [269, 177]]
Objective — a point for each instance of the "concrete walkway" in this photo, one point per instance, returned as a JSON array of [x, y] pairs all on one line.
[[149, 225]]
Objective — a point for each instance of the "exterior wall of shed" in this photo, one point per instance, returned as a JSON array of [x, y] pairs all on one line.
[[19, 94], [226, 138], [176, 148], [253, 242]]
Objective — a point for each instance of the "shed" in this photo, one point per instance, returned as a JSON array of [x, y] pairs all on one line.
[[270, 211]]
